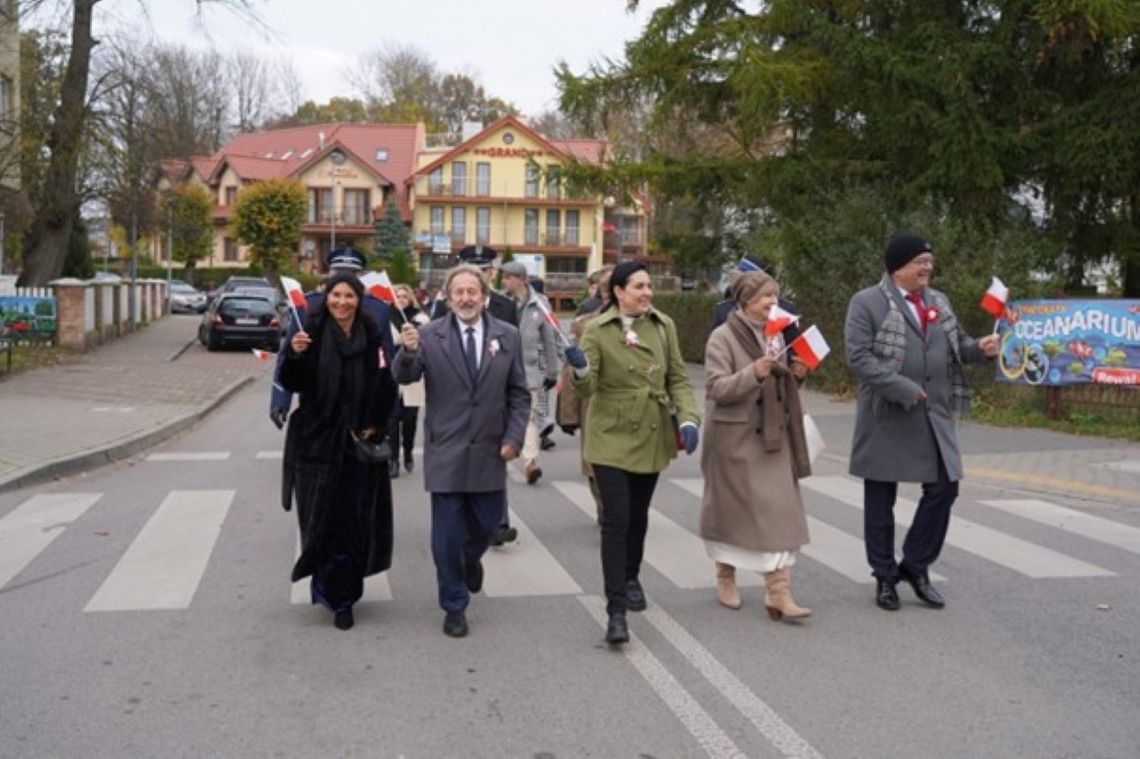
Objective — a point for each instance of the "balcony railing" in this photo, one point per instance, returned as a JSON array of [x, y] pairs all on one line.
[[474, 187], [497, 237], [343, 219]]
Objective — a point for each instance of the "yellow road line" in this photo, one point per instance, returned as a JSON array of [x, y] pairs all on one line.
[[1056, 483]]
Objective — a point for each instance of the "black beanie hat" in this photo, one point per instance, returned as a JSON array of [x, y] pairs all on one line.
[[902, 248]]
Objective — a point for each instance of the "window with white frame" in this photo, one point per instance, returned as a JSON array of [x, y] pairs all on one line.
[[458, 224], [573, 220], [482, 226], [437, 221], [483, 179]]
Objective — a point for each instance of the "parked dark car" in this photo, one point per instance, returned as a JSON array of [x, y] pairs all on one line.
[[233, 283], [238, 319], [186, 299]]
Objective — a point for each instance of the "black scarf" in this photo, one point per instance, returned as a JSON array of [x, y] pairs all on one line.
[[345, 389]]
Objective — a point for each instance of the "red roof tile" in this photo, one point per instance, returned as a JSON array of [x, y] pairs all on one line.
[[297, 145], [588, 150]]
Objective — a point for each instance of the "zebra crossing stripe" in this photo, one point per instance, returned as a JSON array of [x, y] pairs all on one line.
[[685, 708], [163, 566], [525, 568], [669, 548], [833, 548], [1072, 521], [33, 525], [992, 545]]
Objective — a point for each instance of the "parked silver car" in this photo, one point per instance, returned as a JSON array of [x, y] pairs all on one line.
[[185, 299]]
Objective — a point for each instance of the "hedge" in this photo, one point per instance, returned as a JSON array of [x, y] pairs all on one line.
[[692, 313]]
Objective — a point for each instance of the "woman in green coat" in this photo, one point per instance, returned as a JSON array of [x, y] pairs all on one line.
[[641, 411]]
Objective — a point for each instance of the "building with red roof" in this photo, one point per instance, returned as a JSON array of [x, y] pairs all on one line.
[[499, 188]]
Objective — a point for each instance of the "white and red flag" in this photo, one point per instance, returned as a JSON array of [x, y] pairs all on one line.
[[778, 320], [261, 355], [296, 297], [379, 286], [551, 319], [810, 347], [993, 302]]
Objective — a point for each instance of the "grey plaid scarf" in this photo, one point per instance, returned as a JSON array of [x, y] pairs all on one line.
[[890, 342]]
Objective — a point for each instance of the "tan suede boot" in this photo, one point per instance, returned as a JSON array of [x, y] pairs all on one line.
[[778, 596], [726, 591]]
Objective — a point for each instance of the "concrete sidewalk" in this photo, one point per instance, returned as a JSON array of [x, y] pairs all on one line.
[[114, 401], [124, 397]]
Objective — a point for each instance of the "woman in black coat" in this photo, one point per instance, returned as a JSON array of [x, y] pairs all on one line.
[[344, 501]]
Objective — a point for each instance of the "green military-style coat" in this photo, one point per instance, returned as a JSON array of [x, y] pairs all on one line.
[[633, 389]]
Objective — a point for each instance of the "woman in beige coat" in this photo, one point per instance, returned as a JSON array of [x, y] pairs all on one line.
[[754, 452]]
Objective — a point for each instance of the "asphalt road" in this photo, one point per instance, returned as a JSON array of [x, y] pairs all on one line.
[[145, 610]]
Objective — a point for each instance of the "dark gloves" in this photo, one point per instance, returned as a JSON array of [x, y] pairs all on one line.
[[549, 383], [575, 357], [690, 436], [278, 416]]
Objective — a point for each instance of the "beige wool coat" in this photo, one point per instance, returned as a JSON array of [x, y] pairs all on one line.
[[751, 497]]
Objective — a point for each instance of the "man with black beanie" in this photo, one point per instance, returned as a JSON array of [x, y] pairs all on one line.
[[905, 347]]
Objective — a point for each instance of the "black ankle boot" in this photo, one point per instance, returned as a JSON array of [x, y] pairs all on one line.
[[617, 632]]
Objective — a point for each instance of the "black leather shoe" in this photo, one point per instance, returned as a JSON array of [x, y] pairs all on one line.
[[455, 624], [343, 619], [922, 588], [617, 631], [505, 535], [394, 468], [634, 596], [473, 576], [409, 463], [886, 597]]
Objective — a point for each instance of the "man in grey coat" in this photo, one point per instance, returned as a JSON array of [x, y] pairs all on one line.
[[905, 347], [540, 356], [477, 404]]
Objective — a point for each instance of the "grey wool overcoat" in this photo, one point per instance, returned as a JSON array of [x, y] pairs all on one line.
[[751, 497], [897, 438], [465, 425]]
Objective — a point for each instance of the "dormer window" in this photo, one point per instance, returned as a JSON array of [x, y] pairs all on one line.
[[381, 155]]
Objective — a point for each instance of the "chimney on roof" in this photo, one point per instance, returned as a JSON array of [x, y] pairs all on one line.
[[320, 140]]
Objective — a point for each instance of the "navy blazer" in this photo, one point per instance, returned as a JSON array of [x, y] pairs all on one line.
[[466, 424]]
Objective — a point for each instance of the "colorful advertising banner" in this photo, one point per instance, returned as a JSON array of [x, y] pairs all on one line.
[[1070, 342], [25, 317]]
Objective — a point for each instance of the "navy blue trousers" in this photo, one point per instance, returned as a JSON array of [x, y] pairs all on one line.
[[927, 532], [462, 525]]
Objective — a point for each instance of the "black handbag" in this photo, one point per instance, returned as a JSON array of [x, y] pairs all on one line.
[[370, 452]]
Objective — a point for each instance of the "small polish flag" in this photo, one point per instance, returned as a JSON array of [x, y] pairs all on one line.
[[810, 347], [379, 286], [778, 321], [551, 319], [294, 292], [261, 355], [993, 302]]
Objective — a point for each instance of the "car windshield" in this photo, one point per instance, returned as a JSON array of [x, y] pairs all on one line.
[[178, 287], [252, 306]]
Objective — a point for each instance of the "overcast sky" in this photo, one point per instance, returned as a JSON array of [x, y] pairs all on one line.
[[509, 46]]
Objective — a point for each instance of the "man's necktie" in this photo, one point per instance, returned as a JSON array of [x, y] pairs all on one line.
[[469, 353], [916, 299]]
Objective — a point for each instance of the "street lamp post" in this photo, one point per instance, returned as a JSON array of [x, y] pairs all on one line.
[[332, 242], [169, 253]]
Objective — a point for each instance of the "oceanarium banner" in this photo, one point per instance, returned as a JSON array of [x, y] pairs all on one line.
[[1070, 342]]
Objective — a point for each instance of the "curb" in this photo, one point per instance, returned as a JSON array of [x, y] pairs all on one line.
[[80, 462], [178, 353]]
